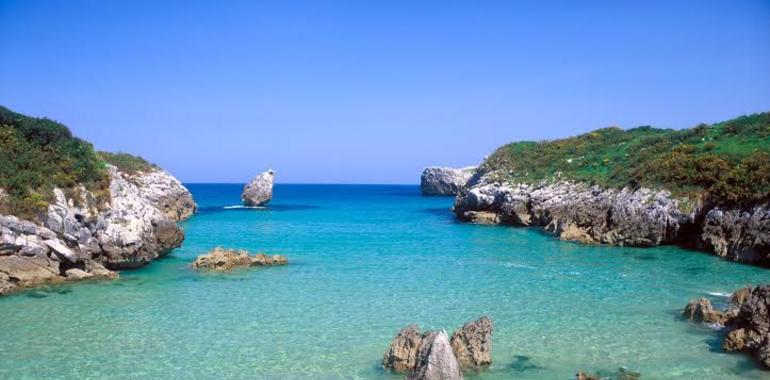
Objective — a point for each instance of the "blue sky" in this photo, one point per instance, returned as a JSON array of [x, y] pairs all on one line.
[[372, 91]]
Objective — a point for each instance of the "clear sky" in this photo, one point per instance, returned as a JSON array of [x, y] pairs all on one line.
[[372, 91]]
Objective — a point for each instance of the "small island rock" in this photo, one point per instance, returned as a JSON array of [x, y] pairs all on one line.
[[220, 259], [259, 191], [701, 310], [444, 181], [402, 353]]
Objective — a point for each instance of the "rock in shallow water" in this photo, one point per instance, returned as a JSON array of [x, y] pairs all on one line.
[[435, 360], [473, 343], [701, 310], [424, 356], [220, 259], [259, 191]]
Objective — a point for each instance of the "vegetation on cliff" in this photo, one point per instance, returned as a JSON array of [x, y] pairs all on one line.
[[127, 163], [39, 154], [727, 162]]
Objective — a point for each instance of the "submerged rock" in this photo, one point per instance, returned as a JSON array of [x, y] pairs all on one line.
[[220, 259], [259, 191], [444, 181], [435, 359], [472, 344], [621, 374]]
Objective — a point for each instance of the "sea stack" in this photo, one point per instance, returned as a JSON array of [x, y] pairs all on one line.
[[259, 191], [444, 181]]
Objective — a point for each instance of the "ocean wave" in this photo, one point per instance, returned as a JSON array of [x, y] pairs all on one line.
[[719, 294]]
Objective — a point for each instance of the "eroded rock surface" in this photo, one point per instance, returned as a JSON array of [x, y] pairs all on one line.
[[444, 181], [472, 343], [220, 259], [701, 310], [80, 239], [435, 359], [431, 355], [624, 217], [259, 191]]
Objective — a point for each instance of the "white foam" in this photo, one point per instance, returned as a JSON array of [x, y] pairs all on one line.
[[518, 266], [719, 294], [241, 206]]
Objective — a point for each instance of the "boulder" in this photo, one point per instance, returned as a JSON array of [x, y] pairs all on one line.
[[445, 181], [259, 191], [220, 259], [751, 327], [472, 344], [435, 359], [402, 353], [701, 310]]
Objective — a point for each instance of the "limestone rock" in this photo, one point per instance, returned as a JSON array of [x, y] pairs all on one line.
[[444, 181], [436, 360], [751, 332], [220, 259], [740, 235], [472, 344], [701, 310], [402, 353], [259, 191], [167, 194]]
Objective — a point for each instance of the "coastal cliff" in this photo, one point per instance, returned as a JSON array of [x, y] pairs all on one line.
[[119, 212], [706, 187]]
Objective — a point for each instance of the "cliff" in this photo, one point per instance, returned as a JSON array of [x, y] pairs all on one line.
[[707, 187], [444, 181], [75, 221]]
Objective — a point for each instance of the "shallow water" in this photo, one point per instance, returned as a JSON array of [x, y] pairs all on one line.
[[366, 261]]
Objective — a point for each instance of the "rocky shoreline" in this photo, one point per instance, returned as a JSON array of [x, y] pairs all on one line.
[[437, 180], [624, 217], [78, 239]]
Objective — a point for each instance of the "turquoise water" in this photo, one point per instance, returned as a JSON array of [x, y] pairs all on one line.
[[366, 261]]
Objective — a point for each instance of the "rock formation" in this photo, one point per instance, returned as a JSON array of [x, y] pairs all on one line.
[[444, 181], [220, 259], [473, 343], [747, 318], [625, 217], [435, 360], [402, 353], [431, 355], [82, 240], [259, 191], [701, 310]]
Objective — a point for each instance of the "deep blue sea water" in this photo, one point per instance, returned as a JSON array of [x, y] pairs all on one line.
[[366, 261]]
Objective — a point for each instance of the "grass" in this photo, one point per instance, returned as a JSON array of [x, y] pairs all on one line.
[[127, 163], [726, 163], [39, 154]]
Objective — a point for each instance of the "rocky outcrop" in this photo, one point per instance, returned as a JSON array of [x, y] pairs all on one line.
[[747, 317], [79, 239], [740, 235], [220, 259], [167, 194], [473, 343], [444, 181], [402, 353], [624, 217], [701, 310], [259, 191], [435, 360], [432, 355], [750, 328], [574, 211]]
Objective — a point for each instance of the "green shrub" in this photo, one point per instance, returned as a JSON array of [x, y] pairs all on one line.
[[127, 163], [727, 162]]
